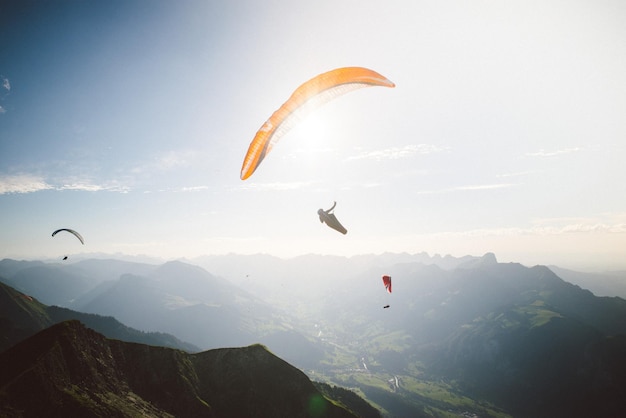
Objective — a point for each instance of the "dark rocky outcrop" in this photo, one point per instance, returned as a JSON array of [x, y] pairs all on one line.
[[70, 370]]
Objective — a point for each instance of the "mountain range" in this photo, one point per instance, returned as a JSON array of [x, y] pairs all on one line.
[[22, 316], [464, 335]]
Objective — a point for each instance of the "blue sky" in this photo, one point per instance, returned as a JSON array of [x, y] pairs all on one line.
[[129, 121]]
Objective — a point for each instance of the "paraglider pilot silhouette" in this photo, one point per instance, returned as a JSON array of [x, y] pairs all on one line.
[[331, 220]]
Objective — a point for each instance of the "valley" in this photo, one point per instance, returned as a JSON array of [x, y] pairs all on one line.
[[462, 337]]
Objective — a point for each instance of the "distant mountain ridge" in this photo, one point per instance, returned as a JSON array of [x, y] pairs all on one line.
[[70, 370], [175, 298], [21, 316], [61, 284], [182, 298], [601, 284]]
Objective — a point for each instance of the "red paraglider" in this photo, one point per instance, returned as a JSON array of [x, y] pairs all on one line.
[[387, 283]]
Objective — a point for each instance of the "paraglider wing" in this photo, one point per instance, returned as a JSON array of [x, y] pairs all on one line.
[[26, 297], [71, 231], [309, 96], [331, 220], [387, 283]]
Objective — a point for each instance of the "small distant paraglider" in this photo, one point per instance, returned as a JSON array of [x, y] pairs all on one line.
[[71, 231], [25, 297], [331, 220], [387, 283], [306, 98]]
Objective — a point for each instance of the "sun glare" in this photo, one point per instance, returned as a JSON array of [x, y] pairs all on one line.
[[310, 145], [311, 133]]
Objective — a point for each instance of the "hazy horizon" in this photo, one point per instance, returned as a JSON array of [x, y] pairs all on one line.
[[128, 121], [196, 260]]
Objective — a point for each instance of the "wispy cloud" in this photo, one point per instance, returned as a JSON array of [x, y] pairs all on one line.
[[22, 183], [88, 187], [611, 223], [166, 161], [554, 226], [174, 159], [91, 187], [477, 187], [31, 183], [551, 230], [194, 188], [178, 189], [485, 186], [6, 85], [518, 174], [277, 186], [395, 153], [544, 154]]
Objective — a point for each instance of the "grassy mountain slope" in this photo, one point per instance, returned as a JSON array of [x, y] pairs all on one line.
[[70, 370], [543, 340], [519, 338]]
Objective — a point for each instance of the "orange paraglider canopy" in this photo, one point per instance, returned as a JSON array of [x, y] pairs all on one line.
[[310, 95]]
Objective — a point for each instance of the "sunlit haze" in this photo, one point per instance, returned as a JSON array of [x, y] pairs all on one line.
[[129, 120]]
